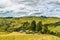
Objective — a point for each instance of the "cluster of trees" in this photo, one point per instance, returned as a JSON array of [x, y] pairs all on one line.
[[33, 27], [6, 26]]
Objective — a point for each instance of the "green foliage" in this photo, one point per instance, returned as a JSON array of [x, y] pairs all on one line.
[[33, 26], [25, 25], [48, 25], [45, 28], [39, 26], [10, 29], [3, 28]]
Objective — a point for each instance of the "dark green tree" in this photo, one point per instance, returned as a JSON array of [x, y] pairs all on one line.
[[45, 28], [25, 25], [39, 26], [33, 26]]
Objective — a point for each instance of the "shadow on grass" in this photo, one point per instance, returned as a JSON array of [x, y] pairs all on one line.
[[57, 34]]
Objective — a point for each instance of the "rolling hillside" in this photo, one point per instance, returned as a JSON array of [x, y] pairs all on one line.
[[14, 22]]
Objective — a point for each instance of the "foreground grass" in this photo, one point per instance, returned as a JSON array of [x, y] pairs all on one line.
[[22, 36]]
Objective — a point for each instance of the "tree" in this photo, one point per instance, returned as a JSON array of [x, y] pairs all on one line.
[[45, 29], [33, 26], [39, 26], [25, 25]]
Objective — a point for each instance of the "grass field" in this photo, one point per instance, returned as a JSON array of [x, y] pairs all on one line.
[[22, 36]]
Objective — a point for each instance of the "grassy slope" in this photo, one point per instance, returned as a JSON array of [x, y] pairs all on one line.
[[19, 36], [18, 22]]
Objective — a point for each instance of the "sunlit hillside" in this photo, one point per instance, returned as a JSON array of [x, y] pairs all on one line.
[[19, 36], [12, 23]]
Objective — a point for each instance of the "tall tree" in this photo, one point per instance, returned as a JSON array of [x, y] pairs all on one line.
[[39, 26], [33, 26], [45, 29]]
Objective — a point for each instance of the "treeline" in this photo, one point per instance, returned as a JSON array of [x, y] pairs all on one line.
[[34, 27], [27, 27]]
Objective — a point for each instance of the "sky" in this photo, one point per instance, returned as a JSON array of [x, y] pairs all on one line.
[[20, 8]]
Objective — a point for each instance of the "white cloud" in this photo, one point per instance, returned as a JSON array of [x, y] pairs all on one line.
[[18, 8]]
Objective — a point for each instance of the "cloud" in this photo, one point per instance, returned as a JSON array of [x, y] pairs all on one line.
[[18, 8]]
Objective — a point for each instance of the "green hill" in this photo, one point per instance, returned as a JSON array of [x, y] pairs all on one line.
[[9, 24]]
